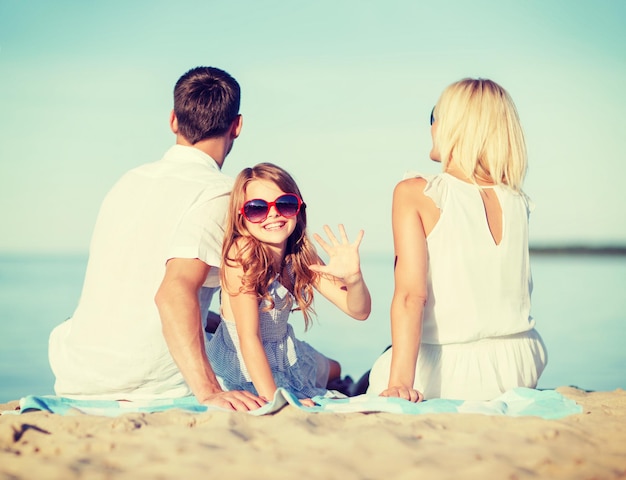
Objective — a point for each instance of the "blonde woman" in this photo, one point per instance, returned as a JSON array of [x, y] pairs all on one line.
[[460, 315]]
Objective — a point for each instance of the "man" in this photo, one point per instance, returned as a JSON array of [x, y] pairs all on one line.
[[137, 331]]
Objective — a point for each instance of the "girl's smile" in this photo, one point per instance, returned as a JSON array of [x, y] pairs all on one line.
[[274, 225]]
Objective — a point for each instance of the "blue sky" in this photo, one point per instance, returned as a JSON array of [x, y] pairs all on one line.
[[337, 92]]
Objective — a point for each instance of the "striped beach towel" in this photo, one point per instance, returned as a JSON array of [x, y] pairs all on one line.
[[548, 404]]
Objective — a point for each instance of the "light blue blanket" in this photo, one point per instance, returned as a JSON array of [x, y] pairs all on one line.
[[547, 404]]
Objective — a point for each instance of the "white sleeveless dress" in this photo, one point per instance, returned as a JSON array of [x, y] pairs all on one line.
[[478, 338]]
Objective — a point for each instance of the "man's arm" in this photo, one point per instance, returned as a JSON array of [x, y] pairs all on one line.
[[177, 301]]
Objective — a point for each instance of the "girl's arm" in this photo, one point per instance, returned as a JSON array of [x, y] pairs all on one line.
[[244, 308], [341, 280], [410, 292]]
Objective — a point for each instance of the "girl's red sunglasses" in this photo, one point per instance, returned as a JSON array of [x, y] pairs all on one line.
[[257, 210]]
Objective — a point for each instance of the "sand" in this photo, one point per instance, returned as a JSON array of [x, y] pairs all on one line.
[[292, 444]]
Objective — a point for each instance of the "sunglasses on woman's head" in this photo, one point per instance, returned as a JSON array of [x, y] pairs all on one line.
[[432, 116], [257, 210]]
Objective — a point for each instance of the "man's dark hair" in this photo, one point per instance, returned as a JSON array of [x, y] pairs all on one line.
[[206, 101]]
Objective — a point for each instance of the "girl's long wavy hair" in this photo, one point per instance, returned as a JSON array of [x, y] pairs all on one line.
[[255, 257]]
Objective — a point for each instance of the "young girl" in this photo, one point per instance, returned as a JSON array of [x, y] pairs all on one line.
[[269, 267], [460, 315]]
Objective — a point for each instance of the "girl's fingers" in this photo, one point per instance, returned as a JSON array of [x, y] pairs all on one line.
[[333, 240], [331, 235], [322, 242], [318, 268], [307, 402], [342, 232], [359, 237]]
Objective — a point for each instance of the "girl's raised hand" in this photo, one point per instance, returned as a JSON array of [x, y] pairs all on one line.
[[343, 262]]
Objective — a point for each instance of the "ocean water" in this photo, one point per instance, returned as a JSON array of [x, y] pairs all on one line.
[[579, 305]]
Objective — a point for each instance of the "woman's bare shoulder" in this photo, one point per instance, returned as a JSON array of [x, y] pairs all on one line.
[[410, 188]]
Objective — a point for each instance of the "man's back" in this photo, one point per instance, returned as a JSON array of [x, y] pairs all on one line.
[[113, 346]]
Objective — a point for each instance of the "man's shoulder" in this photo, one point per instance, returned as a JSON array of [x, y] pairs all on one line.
[[203, 174]]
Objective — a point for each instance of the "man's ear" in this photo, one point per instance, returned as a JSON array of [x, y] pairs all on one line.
[[235, 128], [173, 122]]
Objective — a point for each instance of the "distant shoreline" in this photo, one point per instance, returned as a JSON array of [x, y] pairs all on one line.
[[578, 250], [547, 250]]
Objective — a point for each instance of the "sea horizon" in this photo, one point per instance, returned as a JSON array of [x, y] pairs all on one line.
[[577, 303]]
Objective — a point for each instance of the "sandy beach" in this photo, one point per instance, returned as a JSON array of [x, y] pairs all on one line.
[[293, 444]]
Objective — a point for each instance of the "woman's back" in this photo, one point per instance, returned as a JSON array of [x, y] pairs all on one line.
[[479, 279]]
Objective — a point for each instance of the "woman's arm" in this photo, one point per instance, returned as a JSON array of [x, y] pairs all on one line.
[[341, 281], [410, 292], [244, 308]]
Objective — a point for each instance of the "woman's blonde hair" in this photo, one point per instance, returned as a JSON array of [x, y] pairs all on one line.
[[255, 257], [478, 126]]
